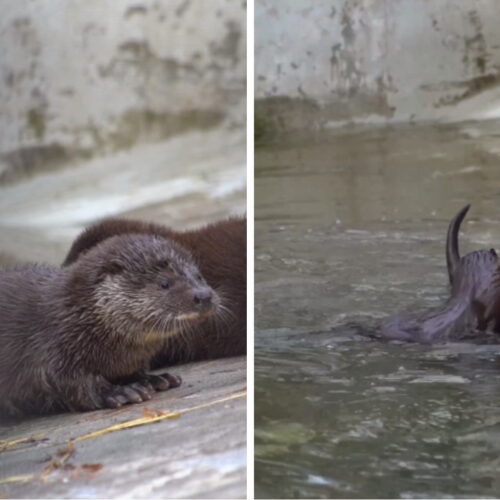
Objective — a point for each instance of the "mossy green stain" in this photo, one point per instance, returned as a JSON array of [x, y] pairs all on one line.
[[36, 122]]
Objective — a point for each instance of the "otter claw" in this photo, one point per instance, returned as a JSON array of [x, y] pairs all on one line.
[[112, 402], [143, 390], [132, 395], [173, 380], [125, 394], [146, 384], [158, 382], [163, 382], [122, 400]]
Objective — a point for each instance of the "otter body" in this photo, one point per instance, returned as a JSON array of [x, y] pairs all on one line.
[[473, 310], [219, 250], [81, 337]]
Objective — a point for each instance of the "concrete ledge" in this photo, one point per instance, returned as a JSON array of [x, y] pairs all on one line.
[[199, 454]]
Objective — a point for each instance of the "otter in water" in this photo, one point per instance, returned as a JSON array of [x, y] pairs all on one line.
[[81, 337], [220, 252], [473, 310]]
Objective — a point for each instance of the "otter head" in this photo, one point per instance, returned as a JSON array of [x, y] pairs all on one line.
[[143, 286]]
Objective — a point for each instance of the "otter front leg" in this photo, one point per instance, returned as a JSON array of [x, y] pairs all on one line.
[[153, 382], [94, 392]]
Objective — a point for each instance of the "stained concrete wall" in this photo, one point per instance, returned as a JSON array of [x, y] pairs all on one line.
[[331, 62], [87, 77]]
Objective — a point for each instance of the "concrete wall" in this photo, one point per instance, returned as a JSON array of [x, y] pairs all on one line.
[[88, 77], [328, 62]]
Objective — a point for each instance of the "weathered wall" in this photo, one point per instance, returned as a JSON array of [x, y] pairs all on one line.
[[96, 76], [328, 62]]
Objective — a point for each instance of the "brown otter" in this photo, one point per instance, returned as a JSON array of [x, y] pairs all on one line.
[[220, 252], [81, 337], [473, 310]]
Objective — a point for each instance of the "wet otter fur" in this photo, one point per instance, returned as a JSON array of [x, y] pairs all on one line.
[[81, 337], [219, 250], [473, 311]]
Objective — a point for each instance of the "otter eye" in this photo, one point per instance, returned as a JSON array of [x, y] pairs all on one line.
[[163, 264], [114, 268], [165, 284]]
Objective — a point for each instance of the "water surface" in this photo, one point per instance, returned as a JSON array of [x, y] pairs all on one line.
[[350, 228]]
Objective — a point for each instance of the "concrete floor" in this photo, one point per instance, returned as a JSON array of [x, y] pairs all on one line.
[[200, 454], [189, 181]]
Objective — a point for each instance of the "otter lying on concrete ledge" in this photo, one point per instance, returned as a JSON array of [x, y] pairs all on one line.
[[473, 310], [81, 337]]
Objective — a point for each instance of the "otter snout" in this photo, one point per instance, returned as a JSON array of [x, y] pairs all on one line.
[[202, 297]]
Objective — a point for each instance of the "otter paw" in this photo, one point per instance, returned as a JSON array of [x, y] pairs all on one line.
[[169, 381], [125, 394], [145, 389], [164, 381]]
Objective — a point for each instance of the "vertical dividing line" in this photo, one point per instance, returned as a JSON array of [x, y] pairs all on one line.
[[250, 249]]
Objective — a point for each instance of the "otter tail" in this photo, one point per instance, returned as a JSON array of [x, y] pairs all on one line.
[[452, 254]]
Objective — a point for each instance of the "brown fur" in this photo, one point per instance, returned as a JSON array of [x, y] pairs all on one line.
[[220, 252], [81, 337]]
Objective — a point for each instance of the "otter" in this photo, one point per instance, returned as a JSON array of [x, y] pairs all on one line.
[[473, 310], [219, 250], [81, 337]]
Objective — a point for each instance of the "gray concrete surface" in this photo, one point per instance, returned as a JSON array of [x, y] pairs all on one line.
[[199, 454], [325, 63], [90, 77], [190, 180]]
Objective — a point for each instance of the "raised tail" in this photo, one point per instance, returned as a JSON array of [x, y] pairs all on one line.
[[452, 254]]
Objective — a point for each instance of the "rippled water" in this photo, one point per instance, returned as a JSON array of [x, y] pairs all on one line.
[[350, 228]]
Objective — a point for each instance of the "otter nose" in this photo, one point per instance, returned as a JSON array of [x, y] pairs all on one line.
[[203, 297]]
